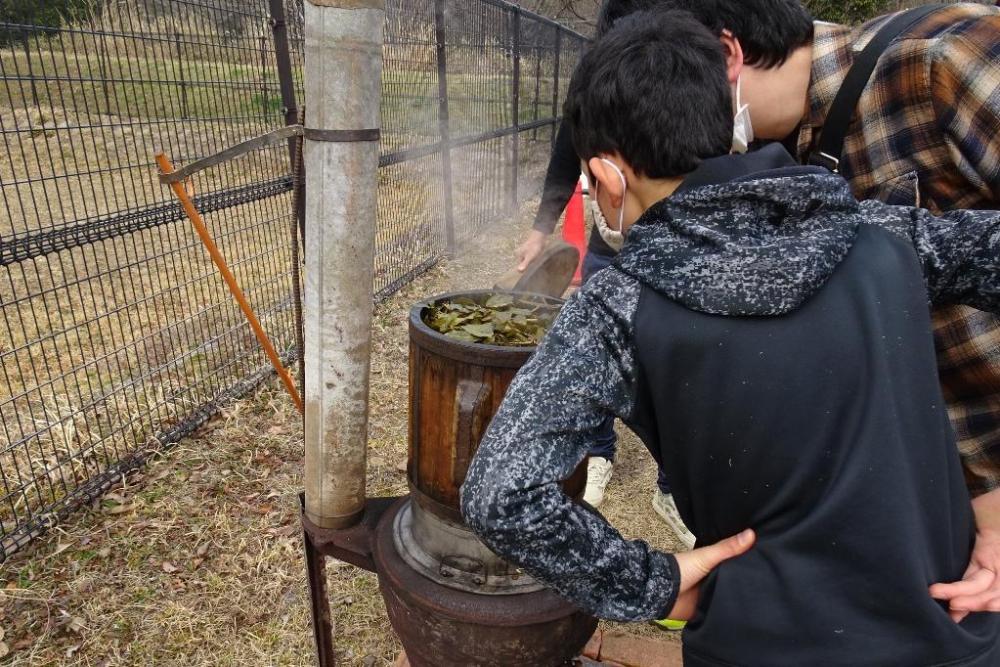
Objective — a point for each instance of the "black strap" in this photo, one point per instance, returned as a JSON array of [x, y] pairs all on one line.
[[831, 141]]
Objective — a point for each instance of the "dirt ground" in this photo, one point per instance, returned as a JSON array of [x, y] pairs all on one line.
[[197, 560]]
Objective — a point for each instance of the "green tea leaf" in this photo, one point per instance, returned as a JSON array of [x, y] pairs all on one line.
[[479, 330], [500, 319], [499, 301], [461, 335]]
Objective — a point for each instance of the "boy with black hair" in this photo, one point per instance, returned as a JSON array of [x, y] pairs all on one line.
[[923, 134], [769, 339]]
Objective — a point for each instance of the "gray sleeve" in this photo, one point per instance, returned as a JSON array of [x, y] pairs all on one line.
[[960, 254], [959, 251], [583, 371]]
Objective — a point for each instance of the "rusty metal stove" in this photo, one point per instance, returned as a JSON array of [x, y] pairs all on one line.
[[451, 601]]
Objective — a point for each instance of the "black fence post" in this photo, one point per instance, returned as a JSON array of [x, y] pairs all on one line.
[[286, 81], [104, 59], [555, 87], [31, 73], [265, 99], [444, 126], [182, 76], [515, 111], [538, 89]]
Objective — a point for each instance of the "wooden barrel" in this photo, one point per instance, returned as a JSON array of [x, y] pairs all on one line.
[[455, 389]]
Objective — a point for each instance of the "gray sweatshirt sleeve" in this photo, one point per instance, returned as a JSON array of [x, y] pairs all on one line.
[[958, 251], [583, 371]]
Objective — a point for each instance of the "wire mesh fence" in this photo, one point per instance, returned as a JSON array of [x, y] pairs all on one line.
[[117, 336]]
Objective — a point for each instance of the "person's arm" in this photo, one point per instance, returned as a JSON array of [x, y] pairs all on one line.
[[958, 251], [560, 180], [584, 370], [960, 255], [964, 91]]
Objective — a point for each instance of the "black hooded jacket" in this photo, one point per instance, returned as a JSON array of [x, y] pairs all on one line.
[[768, 337]]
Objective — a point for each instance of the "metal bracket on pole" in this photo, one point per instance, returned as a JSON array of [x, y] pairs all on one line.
[[343, 136]]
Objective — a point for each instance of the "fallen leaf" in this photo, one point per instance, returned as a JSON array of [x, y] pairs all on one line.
[[203, 549], [196, 563], [120, 509], [72, 650], [168, 567], [4, 650], [60, 548], [104, 552], [287, 531], [77, 625]]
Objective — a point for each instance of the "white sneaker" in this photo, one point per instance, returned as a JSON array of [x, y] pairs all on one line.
[[598, 475], [665, 506]]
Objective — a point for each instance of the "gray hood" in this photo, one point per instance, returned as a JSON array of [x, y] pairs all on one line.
[[758, 245]]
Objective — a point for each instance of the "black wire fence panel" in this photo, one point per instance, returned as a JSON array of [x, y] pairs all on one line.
[[118, 336]]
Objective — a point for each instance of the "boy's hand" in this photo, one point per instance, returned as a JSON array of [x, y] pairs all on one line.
[[530, 249], [979, 589], [697, 564]]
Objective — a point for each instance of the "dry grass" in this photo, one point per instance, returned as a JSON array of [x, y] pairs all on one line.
[[104, 346], [198, 560]]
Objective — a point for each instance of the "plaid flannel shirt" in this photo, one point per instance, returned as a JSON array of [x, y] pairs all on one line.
[[927, 132]]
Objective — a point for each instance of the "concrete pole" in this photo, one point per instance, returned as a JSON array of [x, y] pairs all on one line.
[[343, 75]]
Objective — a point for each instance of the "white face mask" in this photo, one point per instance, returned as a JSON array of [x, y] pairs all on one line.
[[742, 127], [614, 238]]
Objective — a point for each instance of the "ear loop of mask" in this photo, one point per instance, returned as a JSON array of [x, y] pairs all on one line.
[[621, 210]]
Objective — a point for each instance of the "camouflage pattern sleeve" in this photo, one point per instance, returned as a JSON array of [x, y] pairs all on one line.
[[582, 371]]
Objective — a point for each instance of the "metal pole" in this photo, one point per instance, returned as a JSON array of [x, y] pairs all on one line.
[[31, 73], [265, 99], [104, 60], [555, 86], [343, 73], [183, 78], [516, 107], [538, 88], [227, 275], [283, 60], [444, 126], [286, 83]]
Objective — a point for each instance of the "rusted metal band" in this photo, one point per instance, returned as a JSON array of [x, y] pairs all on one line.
[[264, 140], [349, 4], [269, 139], [343, 136]]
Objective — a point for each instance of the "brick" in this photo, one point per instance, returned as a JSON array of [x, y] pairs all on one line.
[[640, 651], [593, 648]]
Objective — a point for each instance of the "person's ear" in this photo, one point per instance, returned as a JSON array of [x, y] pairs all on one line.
[[734, 56], [608, 180]]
